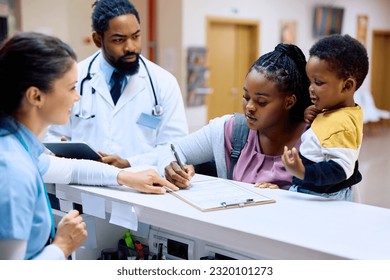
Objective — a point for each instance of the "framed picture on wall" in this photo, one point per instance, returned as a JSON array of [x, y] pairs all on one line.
[[196, 76], [327, 20], [362, 24], [288, 30], [4, 11]]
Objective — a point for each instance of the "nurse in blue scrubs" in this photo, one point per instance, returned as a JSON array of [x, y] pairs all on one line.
[[38, 76]]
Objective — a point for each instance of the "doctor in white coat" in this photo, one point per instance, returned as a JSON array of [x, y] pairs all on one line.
[[149, 113]]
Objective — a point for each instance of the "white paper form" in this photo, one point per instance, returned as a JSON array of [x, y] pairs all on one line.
[[216, 194]]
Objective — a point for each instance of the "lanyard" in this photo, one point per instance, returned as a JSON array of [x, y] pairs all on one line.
[[52, 233]]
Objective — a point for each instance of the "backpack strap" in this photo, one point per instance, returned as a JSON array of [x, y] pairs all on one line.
[[239, 137]]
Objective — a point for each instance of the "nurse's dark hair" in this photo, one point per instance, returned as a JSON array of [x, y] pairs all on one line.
[[105, 10], [346, 56], [286, 67], [30, 59]]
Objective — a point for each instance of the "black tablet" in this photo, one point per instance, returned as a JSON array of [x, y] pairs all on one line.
[[71, 149]]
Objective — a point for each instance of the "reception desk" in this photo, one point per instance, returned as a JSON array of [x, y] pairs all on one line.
[[296, 226]]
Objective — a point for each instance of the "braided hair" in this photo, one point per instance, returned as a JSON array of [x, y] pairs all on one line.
[[105, 10], [286, 67]]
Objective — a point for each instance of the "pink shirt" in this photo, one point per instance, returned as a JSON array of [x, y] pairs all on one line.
[[253, 166]]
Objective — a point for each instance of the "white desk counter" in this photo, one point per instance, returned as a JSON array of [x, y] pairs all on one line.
[[297, 226]]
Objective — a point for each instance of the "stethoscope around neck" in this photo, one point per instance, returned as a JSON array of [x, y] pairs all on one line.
[[157, 109]]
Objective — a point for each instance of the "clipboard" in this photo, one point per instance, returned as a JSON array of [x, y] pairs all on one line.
[[72, 149], [219, 194]]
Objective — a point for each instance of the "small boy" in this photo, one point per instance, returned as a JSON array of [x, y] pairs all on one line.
[[326, 164]]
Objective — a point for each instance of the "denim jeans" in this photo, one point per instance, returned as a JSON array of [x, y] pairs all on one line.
[[344, 194]]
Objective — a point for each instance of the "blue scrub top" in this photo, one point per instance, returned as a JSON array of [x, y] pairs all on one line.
[[23, 206]]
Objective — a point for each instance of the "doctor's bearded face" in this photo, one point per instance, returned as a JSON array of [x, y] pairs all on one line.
[[122, 65], [121, 43]]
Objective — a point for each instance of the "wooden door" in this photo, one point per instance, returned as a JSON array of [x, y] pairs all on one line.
[[380, 69], [232, 47]]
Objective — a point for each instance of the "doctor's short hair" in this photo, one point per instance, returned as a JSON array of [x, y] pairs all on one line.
[[31, 59], [286, 67], [105, 10], [346, 56]]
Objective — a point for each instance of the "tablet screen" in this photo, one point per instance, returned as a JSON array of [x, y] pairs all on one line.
[[69, 149]]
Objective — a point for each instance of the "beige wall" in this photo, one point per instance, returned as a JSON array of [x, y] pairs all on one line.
[[170, 38], [271, 13], [70, 20], [142, 8], [52, 22], [181, 24], [79, 27]]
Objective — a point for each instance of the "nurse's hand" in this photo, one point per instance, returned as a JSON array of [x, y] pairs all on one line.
[[178, 176], [147, 181], [114, 160], [71, 232]]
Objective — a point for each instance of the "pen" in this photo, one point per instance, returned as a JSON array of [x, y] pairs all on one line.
[[167, 189], [177, 157]]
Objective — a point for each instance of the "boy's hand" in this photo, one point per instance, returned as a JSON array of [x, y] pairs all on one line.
[[293, 162], [310, 114]]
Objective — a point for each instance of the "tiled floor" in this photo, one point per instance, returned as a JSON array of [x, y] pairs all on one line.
[[374, 164]]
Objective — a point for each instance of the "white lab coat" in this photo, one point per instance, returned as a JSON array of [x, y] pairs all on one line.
[[114, 129]]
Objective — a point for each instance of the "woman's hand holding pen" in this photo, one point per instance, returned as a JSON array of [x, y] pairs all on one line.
[[178, 173], [147, 181], [181, 177]]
